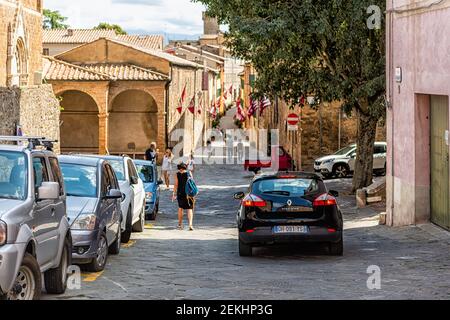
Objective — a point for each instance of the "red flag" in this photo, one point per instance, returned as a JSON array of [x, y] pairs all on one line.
[[192, 105], [254, 106], [182, 99], [264, 103], [200, 105], [240, 116]]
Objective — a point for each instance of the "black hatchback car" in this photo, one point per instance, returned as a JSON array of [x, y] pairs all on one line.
[[287, 208]]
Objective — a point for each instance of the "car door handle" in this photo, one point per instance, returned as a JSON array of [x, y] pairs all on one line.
[[53, 212]]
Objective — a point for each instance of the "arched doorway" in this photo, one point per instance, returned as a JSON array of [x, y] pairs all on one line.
[[133, 123], [79, 123]]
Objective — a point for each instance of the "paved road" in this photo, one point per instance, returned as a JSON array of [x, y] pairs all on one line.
[[164, 263]]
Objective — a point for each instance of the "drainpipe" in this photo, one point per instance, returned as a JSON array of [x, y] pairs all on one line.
[[166, 107], [390, 89]]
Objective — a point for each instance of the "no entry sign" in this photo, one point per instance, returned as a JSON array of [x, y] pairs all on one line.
[[293, 121]]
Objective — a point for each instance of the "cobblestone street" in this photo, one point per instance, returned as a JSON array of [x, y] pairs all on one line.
[[164, 263]]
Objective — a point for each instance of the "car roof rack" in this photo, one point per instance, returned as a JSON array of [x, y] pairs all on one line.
[[33, 142]]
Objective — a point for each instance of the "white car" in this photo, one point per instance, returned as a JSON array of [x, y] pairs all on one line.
[[132, 187], [342, 163]]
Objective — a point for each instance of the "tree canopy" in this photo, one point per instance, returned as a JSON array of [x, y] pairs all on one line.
[[107, 26], [54, 20], [320, 48]]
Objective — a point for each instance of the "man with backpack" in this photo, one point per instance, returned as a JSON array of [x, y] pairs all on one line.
[[185, 192]]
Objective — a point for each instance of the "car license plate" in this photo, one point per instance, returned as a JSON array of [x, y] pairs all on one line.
[[297, 209], [290, 229]]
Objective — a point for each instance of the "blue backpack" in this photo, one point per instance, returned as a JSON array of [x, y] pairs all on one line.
[[191, 187]]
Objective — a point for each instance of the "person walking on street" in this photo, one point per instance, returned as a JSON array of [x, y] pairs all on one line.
[[151, 153], [179, 194], [191, 164], [167, 167]]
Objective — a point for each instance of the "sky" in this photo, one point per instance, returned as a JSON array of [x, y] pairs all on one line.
[[169, 17]]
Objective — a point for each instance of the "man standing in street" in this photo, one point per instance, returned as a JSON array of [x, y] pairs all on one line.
[[151, 154]]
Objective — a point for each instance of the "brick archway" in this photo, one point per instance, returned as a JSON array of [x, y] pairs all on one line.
[[133, 122], [79, 121]]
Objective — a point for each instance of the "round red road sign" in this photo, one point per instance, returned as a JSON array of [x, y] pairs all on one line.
[[293, 119]]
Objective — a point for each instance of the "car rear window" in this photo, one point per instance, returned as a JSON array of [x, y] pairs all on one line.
[[145, 173], [119, 169], [286, 187]]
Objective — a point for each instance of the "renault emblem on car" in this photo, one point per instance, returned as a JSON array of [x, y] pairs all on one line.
[[289, 203]]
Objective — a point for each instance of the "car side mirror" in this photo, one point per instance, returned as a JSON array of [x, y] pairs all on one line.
[[334, 193], [48, 191], [353, 156], [239, 196], [134, 180], [113, 194]]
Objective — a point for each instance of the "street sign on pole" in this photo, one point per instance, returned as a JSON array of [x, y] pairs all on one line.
[[292, 121]]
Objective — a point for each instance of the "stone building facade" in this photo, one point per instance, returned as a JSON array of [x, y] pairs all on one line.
[[25, 102], [20, 42]]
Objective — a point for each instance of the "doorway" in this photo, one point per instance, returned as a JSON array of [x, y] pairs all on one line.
[[439, 158]]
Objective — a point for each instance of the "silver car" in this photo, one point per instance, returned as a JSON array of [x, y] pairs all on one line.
[[131, 185], [342, 163], [93, 208], [35, 238]]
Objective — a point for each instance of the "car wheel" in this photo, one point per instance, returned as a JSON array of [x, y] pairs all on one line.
[[245, 250], [28, 281], [140, 225], [56, 279], [340, 171], [115, 247], [99, 262], [153, 215], [337, 249], [126, 234]]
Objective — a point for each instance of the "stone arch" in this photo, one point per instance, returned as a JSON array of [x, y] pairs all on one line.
[[79, 122], [133, 122]]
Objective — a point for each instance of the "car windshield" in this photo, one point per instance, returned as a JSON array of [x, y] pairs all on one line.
[[13, 175], [286, 187], [80, 180], [145, 173], [119, 169], [344, 151]]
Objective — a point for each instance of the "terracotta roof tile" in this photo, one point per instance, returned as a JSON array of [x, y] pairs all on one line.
[[60, 70], [81, 36], [126, 72], [55, 69]]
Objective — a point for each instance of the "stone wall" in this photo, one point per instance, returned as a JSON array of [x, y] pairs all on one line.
[[9, 110], [34, 108], [319, 133], [31, 31]]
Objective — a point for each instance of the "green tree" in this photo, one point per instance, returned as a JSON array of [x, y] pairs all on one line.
[[322, 48], [54, 20], [107, 26]]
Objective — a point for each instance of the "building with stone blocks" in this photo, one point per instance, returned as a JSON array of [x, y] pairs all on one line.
[[117, 98], [24, 102]]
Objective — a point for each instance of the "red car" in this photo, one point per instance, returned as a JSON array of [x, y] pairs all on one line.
[[257, 161]]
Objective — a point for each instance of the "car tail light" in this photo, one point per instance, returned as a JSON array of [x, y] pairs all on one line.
[[324, 200], [253, 201], [331, 230], [250, 231]]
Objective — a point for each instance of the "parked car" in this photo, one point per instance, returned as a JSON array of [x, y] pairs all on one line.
[[148, 173], [35, 238], [342, 163], [286, 208], [133, 204], [93, 208], [258, 160]]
